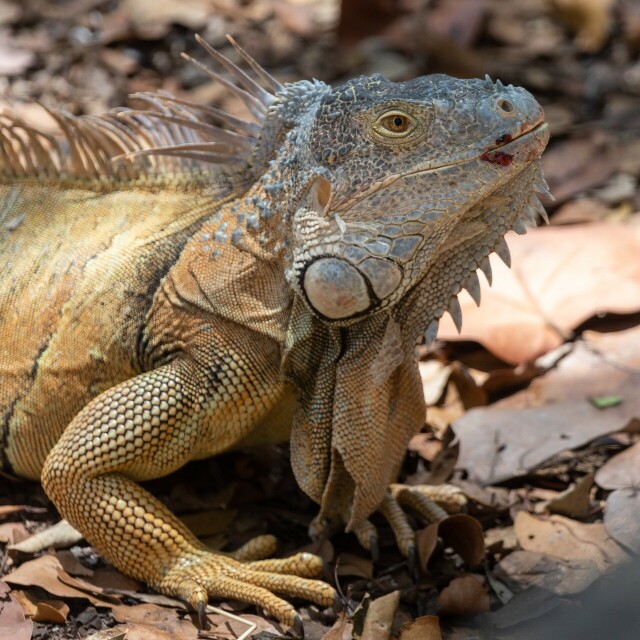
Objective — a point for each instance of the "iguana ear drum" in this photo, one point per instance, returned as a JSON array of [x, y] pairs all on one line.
[[336, 289]]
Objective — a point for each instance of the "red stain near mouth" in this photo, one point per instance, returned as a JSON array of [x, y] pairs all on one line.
[[507, 137], [497, 157]]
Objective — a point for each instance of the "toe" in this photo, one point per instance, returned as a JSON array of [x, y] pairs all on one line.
[[230, 587], [305, 565], [257, 548]]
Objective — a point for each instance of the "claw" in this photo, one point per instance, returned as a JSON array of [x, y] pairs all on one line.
[[297, 628], [412, 562], [203, 623], [374, 548]]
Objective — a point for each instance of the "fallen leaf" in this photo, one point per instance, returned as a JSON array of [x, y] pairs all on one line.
[[460, 532], [61, 534], [581, 210], [152, 18], [515, 435], [569, 540], [379, 619], [150, 622], [575, 502], [47, 573], [622, 470], [13, 532], [424, 444], [13, 623], [108, 634], [341, 630], [561, 276], [54, 611], [422, 628], [464, 596], [621, 517], [465, 536], [522, 569], [435, 376]]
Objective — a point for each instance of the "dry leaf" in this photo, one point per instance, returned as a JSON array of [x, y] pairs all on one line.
[[435, 376], [464, 596], [465, 536], [569, 540], [460, 532], [621, 517], [622, 470], [424, 444], [13, 532], [150, 622], [575, 502], [61, 534], [152, 18], [561, 276], [341, 630], [47, 573], [515, 435], [54, 611], [13, 623], [379, 619], [351, 565], [108, 634], [560, 575], [422, 628]]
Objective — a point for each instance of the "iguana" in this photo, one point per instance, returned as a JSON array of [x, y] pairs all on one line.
[[228, 282]]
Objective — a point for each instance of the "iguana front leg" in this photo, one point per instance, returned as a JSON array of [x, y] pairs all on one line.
[[144, 428]]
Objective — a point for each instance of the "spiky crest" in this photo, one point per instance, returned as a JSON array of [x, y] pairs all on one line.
[[172, 136]]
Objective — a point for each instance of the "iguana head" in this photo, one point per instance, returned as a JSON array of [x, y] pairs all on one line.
[[399, 169]]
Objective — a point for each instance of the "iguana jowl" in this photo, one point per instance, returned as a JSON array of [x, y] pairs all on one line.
[[239, 281]]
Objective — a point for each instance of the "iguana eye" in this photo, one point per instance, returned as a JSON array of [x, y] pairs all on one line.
[[394, 124]]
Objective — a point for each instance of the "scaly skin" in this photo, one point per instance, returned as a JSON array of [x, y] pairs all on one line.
[[236, 286]]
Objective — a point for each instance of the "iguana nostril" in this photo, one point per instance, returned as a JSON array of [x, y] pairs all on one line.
[[505, 107]]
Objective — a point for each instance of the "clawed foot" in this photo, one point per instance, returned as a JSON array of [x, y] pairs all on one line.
[[430, 503], [204, 574]]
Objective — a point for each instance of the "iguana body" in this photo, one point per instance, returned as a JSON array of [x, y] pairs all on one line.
[[264, 279]]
